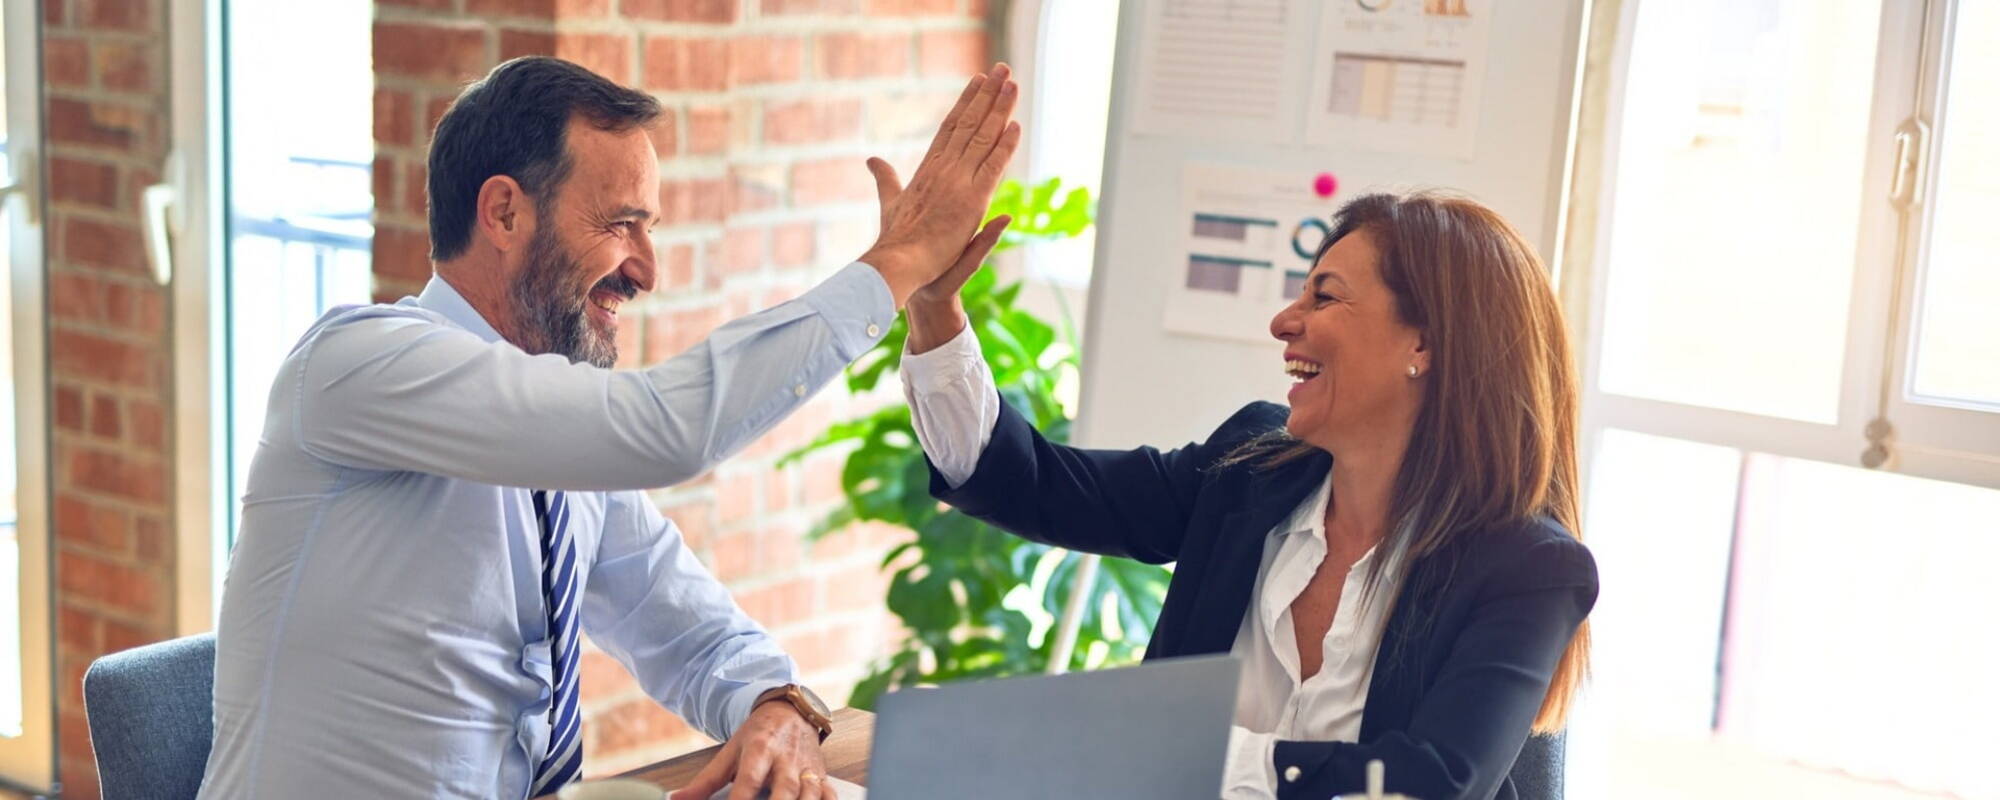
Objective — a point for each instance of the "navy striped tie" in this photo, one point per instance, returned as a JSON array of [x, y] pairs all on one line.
[[565, 755]]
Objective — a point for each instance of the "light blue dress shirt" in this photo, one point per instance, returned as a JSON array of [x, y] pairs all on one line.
[[383, 632]]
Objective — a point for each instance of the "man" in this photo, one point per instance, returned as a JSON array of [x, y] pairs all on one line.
[[445, 489]]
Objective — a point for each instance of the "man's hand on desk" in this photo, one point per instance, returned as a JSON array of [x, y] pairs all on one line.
[[776, 749]]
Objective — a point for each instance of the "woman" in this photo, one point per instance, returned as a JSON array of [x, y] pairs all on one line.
[[1395, 556]]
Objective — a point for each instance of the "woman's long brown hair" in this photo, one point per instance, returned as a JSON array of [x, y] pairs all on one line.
[[1495, 440]]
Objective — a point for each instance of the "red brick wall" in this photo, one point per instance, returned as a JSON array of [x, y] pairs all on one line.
[[107, 118], [772, 106]]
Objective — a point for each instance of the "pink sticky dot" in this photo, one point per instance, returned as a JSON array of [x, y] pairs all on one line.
[[1324, 185]]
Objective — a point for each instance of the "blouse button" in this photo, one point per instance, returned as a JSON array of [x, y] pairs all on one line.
[[799, 390], [1292, 774], [874, 330]]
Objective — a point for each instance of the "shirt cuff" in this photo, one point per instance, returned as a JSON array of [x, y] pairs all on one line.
[[1249, 773], [745, 700], [857, 305], [937, 368]]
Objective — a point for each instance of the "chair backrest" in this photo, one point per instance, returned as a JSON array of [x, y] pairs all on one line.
[[1538, 770], [152, 716]]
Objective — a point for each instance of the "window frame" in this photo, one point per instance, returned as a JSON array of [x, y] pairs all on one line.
[[1937, 438], [29, 760], [1866, 362]]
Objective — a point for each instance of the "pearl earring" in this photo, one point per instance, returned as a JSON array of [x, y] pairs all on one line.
[[1413, 370]]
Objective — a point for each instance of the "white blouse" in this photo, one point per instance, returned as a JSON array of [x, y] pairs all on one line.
[[953, 406]]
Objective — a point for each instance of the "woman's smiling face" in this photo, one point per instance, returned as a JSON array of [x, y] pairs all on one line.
[[1348, 349]]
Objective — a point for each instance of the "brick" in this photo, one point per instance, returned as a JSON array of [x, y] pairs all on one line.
[[695, 521], [104, 244], [126, 66], [717, 12], [416, 192], [85, 355], [756, 187], [434, 111], [116, 474], [676, 268], [80, 521], [822, 480], [101, 125], [77, 298], [632, 725], [124, 15], [780, 603], [736, 499], [149, 538], [792, 244], [671, 333], [427, 5], [382, 177], [708, 130], [742, 252], [52, 12], [840, 180], [757, 60], [515, 43], [780, 545], [437, 52], [402, 253], [862, 55], [910, 8], [601, 676], [105, 420], [665, 136], [66, 62], [859, 587], [580, 9], [953, 53], [394, 117], [119, 636], [486, 9], [69, 408], [148, 425], [776, 8], [812, 121], [690, 201], [116, 586], [76, 628], [677, 64], [138, 308], [894, 117], [733, 555]]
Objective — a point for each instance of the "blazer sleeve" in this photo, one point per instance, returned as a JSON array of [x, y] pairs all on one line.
[[1130, 503], [1472, 720]]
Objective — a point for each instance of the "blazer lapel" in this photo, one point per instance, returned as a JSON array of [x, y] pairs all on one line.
[[1268, 498]]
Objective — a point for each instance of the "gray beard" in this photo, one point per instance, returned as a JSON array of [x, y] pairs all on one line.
[[549, 310]]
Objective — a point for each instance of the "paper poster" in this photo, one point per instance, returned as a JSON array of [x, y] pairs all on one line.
[[1400, 76], [1216, 68], [1248, 240]]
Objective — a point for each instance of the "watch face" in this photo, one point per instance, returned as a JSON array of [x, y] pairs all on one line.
[[817, 704]]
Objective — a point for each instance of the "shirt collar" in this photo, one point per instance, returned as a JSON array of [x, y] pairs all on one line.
[[438, 296], [1310, 515]]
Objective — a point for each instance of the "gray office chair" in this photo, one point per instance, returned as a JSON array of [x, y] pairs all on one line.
[[1538, 770], [152, 717]]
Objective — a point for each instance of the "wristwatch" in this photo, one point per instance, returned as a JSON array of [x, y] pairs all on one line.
[[808, 705]]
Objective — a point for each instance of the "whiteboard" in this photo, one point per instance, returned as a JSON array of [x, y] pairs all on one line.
[[1144, 384]]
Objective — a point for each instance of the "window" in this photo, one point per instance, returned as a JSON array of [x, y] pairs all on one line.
[[1792, 424], [1070, 47], [27, 747]]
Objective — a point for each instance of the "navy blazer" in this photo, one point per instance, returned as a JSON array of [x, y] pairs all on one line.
[[1470, 646]]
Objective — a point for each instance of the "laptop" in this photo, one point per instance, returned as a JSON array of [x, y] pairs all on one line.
[[1155, 731]]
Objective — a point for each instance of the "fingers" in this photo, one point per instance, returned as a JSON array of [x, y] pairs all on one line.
[[887, 185], [711, 777], [785, 784], [750, 777], [998, 120], [975, 113], [995, 164], [975, 252], [951, 119]]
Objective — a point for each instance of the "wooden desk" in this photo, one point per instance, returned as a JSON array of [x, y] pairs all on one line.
[[846, 754]]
